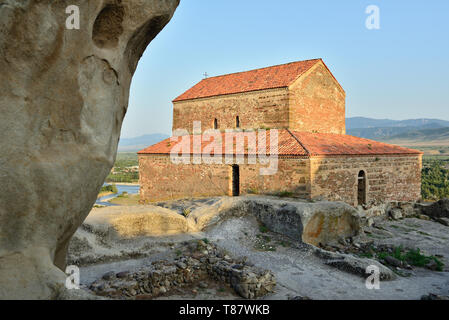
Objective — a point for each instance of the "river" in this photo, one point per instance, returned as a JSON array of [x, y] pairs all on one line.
[[131, 189]]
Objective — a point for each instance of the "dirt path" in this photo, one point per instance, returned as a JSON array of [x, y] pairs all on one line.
[[300, 273]]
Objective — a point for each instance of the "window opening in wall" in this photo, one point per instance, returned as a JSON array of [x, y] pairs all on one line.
[[361, 189]]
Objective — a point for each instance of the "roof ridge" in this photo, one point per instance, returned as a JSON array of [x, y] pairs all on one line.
[[305, 71], [271, 77], [262, 68], [296, 138]]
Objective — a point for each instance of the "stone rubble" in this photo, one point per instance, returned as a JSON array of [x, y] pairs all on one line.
[[344, 248], [437, 211], [203, 261]]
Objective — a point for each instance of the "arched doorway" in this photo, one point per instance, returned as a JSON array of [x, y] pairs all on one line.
[[361, 188], [235, 181]]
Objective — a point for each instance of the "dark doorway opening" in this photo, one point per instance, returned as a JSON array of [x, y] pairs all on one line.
[[215, 123], [361, 189], [235, 180], [237, 122]]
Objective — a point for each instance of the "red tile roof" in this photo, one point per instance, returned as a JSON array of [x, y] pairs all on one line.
[[340, 144], [297, 144], [287, 144], [260, 79]]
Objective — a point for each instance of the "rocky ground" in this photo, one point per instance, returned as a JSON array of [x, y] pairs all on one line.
[[235, 258]]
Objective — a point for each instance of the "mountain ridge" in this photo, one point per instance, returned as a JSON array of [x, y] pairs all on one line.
[[363, 122], [413, 130], [403, 132], [141, 142]]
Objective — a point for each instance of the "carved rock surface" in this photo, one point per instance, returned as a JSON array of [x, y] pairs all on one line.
[[63, 96], [313, 223]]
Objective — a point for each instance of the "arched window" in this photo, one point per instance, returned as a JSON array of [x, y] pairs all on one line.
[[237, 122], [215, 123]]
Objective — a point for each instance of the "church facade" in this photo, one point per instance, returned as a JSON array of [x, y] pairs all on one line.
[[295, 114]]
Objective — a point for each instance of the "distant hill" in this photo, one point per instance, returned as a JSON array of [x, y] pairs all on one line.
[[424, 137], [139, 143], [385, 129], [388, 132], [361, 122]]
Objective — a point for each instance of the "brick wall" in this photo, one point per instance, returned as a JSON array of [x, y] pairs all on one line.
[[388, 178], [317, 103], [332, 178], [293, 176], [160, 179], [260, 109]]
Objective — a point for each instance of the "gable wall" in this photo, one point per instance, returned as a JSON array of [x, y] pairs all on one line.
[[317, 103]]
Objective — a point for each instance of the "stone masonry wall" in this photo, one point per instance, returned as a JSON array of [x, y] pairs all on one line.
[[160, 179], [260, 109], [317, 103], [389, 178], [203, 261], [293, 176]]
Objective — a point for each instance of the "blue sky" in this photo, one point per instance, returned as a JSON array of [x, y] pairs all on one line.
[[399, 72]]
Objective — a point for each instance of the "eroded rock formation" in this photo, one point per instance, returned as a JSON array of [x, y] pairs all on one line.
[[63, 96], [313, 223]]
